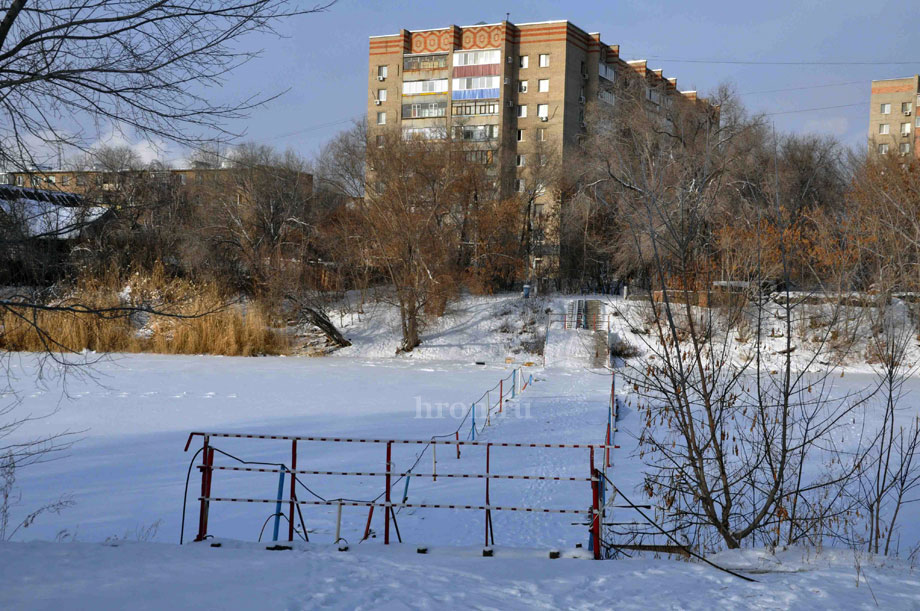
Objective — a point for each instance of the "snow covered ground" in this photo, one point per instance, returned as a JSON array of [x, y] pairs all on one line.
[[153, 576], [127, 477]]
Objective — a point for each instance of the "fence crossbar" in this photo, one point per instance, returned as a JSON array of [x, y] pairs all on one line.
[[406, 474], [397, 441], [406, 505]]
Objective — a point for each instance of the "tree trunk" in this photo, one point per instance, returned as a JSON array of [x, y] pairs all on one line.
[[322, 322]]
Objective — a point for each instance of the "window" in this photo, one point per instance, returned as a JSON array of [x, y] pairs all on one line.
[[20, 180], [904, 147], [476, 87], [544, 60], [52, 179], [522, 111], [906, 107], [65, 179], [905, 129], [540, 189], [476, 133], [477, 58], [885, 109], [382, 72], [424, 62], [882, 149], [523, 61], [543, 85], [519, 185], [522, 86], [542, 159], [543, 111], [606, 96], [379, 141], [421, 110], [917, 122], [424, 133], [605, 71], [538, 209], [475, 108], [520, 161], [520, 135], [541, 134], [81, 180], [425, 87], [382, 95], [483, 157], [381, 118], [477, 82], [884, 129]]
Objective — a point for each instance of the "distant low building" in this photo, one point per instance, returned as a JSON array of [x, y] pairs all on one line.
[[83, 182], [43, 214]]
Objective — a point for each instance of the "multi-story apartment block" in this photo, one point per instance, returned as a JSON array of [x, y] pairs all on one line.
[[893, 121], [518, 92]]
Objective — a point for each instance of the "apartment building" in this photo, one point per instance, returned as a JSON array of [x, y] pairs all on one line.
[[893, 121], [518, 92]]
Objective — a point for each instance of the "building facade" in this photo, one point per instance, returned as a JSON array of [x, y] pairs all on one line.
[[88, 182], [893, 121], [518, 92]]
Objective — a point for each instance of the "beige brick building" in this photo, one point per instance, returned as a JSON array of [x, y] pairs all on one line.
[[893, 121], [518, 92]]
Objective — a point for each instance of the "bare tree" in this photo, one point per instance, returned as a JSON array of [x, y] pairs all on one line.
[[138, 65], [727, 433], [415, 189]]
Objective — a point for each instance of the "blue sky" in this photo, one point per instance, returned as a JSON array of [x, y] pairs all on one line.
[[322, 59]]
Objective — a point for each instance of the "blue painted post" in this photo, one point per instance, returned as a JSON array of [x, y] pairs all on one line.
[[473, 424], [406, 489], [513, 381], [278, 504]]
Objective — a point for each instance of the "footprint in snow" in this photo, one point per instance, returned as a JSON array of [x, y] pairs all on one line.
[[209, 395]]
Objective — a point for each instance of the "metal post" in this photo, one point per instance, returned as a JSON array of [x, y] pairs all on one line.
[[386, 510], [501, 394], [278, 504], [293, 491], [367, 527], [596, 512], [206, 462], [434, 462], [338, 523], [488, 511], [607, 443], [472, 424], [513, 382], [457, 437]]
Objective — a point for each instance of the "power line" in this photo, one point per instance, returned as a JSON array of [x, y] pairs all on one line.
[[805, 87], [310, 129], [789, 112], [785, 63]]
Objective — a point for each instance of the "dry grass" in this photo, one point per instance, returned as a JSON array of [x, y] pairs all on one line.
[[196, 320]]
